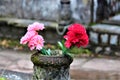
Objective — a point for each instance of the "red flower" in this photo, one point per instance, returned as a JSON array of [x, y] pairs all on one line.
[[76, 36]]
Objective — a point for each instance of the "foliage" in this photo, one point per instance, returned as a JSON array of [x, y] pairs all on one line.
[[2, 78], [73, 40], [12, 44], [80, 51]]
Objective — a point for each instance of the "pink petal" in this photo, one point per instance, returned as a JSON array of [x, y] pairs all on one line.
[[37, 41], [36, 26], [26, 38]]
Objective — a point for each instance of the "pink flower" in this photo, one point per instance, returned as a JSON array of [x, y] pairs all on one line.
[[35, 26], [27, 37], [32, 38], [76, 36], [37, 41]]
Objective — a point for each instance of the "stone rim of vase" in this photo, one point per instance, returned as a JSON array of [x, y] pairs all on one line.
[[54, 60]]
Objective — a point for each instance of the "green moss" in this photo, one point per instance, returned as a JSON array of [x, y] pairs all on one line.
[[35, 59]]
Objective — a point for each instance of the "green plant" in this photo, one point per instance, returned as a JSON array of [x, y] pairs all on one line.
[[80, 51], [3, 78], [75, 36]]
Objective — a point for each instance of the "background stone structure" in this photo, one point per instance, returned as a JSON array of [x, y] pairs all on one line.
[[103, 9], [82, 10], [44, 9], [38, 10], [48, 12]]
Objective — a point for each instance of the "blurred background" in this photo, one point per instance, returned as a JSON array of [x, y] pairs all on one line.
[[101, 18]]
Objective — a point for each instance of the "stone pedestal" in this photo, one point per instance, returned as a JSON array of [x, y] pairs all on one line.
[[51, 67]]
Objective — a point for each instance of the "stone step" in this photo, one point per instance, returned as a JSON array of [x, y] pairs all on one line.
[[95, 69], [111, 22], [115, 20], [106, 28], [116, 17], [25, 22]]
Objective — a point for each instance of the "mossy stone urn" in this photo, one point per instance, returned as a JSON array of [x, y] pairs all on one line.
[[53, 64], [54, 67]]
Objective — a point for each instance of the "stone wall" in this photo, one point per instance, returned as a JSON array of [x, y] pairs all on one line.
[[105, 38], [44, 9], [49, 9], [16, 28], [30, 9], [11, 32], [103, 9]]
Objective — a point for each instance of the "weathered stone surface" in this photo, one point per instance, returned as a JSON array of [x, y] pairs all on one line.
[[81, 10], [13, 75], [80, 69], [16, 28], [115, 18], [30, 9], [105, 31], [100, 13], [25, 64], [104, 38], [111, 22], [44, 9], [99, 65], [94, 37], [25, 22], [106, 28], [105, 35], [54, 67], [92, 69], [113, 39]]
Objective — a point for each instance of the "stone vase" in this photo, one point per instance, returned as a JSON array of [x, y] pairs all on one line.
[[55, 67]]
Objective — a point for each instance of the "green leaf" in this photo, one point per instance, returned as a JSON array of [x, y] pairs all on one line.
[[64, 49], [60, 44], [46, 52], [2, 78], [43, 51], [49, 52]]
